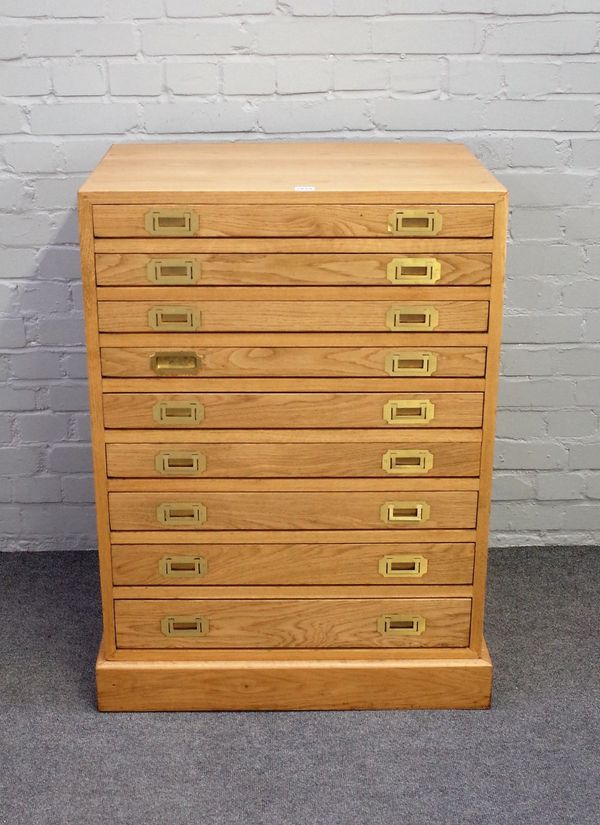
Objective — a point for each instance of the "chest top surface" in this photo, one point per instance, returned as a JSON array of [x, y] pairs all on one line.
[[293, 171]]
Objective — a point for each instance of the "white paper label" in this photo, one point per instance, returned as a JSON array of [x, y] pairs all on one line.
[[304, 188]]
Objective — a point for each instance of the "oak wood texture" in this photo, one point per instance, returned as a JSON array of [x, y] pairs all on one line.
[[290, 307], [292, 315], [286, 220], [354, 458], [265, 269], [290, 564], [273, 623], [320, 680], [296, 410], [265, 510], [293, 361]]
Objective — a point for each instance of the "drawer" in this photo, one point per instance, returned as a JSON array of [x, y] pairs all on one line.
[[266, 510], [294, 623], [288, 564], [408, 268], [459, 456], [250, 410], [374, 362], [294, 221], [293, 316]]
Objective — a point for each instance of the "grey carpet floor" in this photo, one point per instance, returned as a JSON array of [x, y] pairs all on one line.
[[534, 758]]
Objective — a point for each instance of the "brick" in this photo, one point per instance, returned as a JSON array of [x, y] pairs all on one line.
[[66, 330], [582, 517], [531, 79], [77, 296], [5, 429], [57, 192], [528, 361], [427, 114], [593, 486], [26, 229], [135, 78], [20, 461], [45, 298], [10, 520], [82, 427], [17, 399], [194, 118], [82, 156], [83, 118], [75, 365], [40, 489], [78, 79], [12, 41], [571, 423], [8, 297], [581, 223], [78, 488], [24, 8], [531, 258], [536, 393], [310, 7], [59, 264], [36, 364], [298, 75], [586, 151], [43, 427], [541, 329], [76, 8], [356, 74], [192, 78], [134, 9], [584, 456], [249, 77], [591, 327], [91, 39], [14, 195], [360, 7], [70, 458], [475, 76], [66, 398], [32, 156], [526, 516], [588, 392], [582, 293], [23, 81], [563, 36], [423, 36], [214, 8], [512, 487], [416, 75], [532, 151], [531, 293], [578, 361], [535, 223], [57, 519], [212, 37], [289, 36], [517, 424], [12, 333], [564, 115], [321, 116], [12, 120], [530, 455]]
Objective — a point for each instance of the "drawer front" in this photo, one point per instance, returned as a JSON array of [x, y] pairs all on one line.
[[292, 623], [253, 410], [293, 316], [375, 362], [294, 460], [300, 564], [402, 268], [266, 510], [289, 221]]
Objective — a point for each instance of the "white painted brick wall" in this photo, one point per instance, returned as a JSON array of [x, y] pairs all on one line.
[[517, 80]]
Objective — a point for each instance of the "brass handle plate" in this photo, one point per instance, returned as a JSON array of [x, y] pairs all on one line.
[[175, 363], [423, 271], [407, 462], [413, 567], [169, 463], [184, 625], [174, 318], [171, 222], [176, 414], [399, 625], [406, 413], [415, 222], [403, 512], [411, 318], [182, 567], [411, 363], [177, 271], [181, 513]]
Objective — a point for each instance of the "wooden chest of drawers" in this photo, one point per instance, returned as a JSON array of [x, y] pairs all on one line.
[[293, 355]]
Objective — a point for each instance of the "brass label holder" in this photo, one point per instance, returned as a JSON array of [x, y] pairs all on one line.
[[175, 363], [178, 414], [410, 363], [171, 463], [416, 271], [406, 413], [174, 318], [184, 626], [181, 513], [405, 512], [171, 222], [411, 318], [174, 271], [415, 222], [407, 462], [392, 625], [402, 567], [182, 567]]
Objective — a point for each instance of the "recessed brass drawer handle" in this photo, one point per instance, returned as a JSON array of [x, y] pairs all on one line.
[[175, 363], [177, 271], [415, 222], [175, 414], [180, 463], [398, 625], [407, 413], [181, 513], [412, 318], [407, 462], [182, 567], [184, 625], [424, 271], [171, 222], [401, 512], [174, 318], [411, 363], [402, 566]]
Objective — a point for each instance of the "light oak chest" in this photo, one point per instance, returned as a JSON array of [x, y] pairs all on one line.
[[293, 355]]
